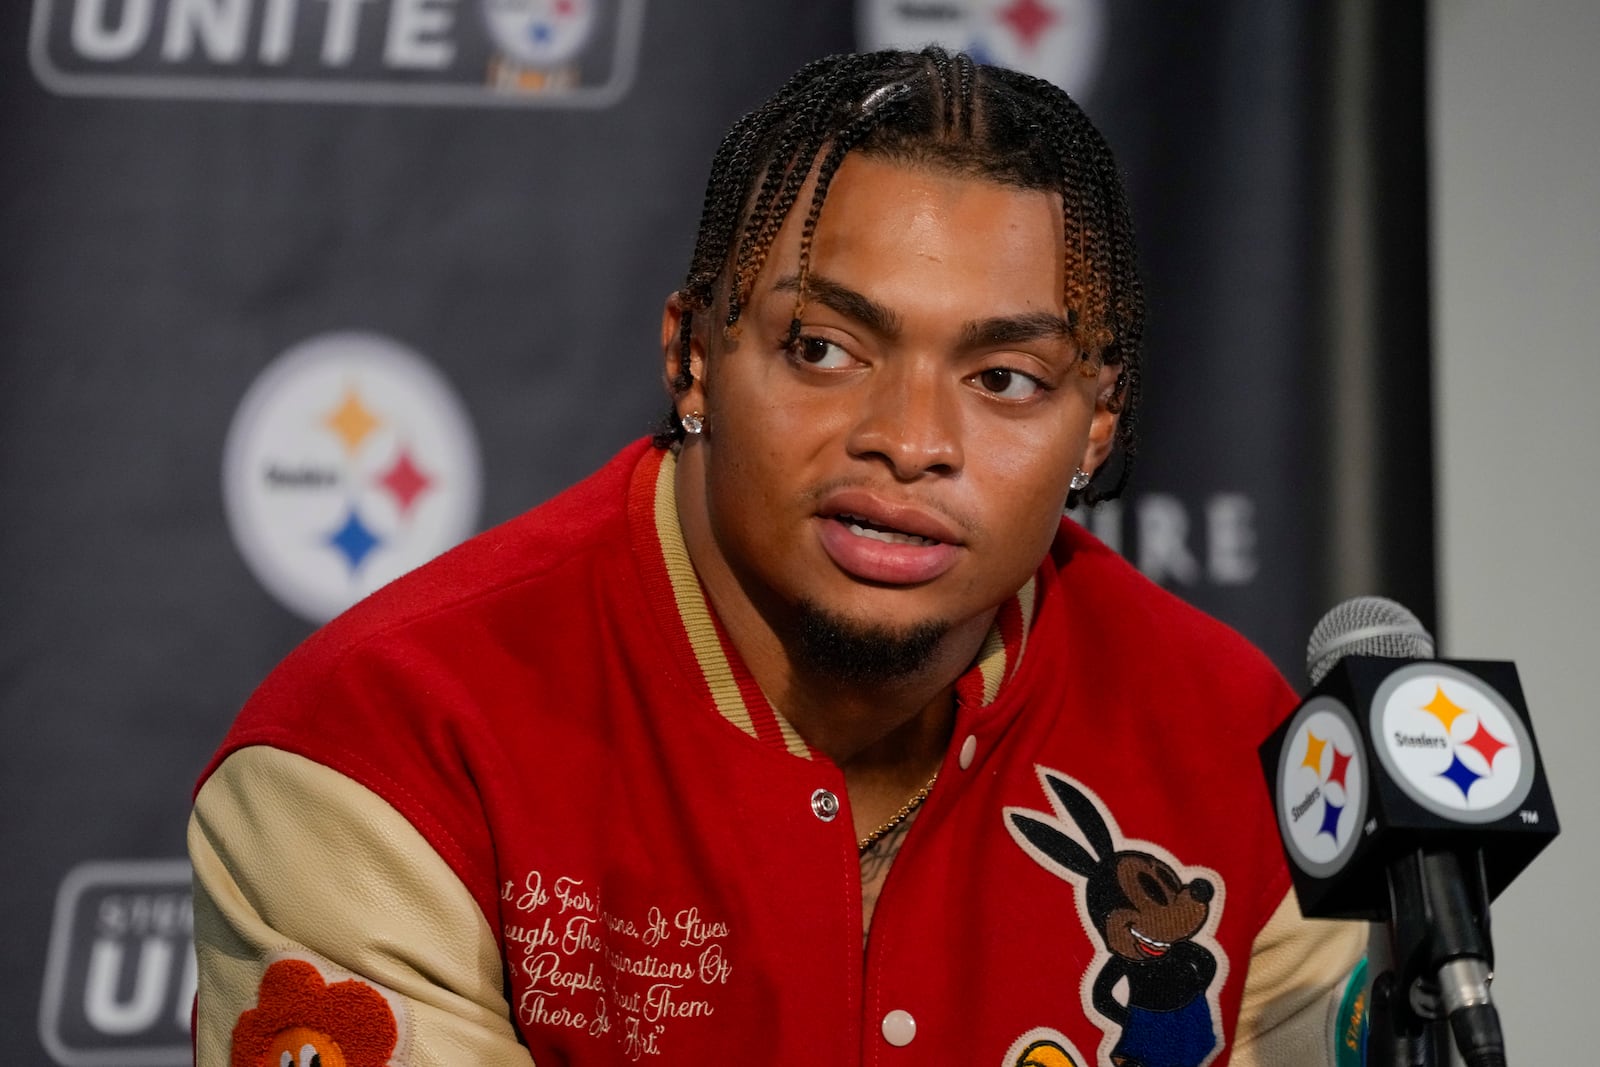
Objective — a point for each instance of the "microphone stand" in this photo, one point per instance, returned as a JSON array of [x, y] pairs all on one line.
[[1397, 1036], [1439, 925]]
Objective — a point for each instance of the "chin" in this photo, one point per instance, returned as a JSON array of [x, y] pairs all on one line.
[[863, 652]]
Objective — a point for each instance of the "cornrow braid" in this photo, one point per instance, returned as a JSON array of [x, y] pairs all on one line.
[[964, 73], [843, 142], [942, 111], [947, 97]]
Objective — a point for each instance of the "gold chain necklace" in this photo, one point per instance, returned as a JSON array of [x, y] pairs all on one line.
[[866, 843]]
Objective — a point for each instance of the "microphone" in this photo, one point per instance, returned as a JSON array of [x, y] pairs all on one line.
[[1409, 790]]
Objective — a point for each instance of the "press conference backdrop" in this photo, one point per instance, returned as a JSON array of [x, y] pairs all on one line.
[[297, 293]]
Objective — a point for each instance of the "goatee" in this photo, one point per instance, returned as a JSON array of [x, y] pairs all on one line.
[[863, 653]]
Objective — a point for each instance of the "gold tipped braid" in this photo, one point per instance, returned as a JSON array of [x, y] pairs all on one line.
[[899, 817]]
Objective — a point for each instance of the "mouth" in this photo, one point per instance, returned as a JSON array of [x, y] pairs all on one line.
[[1149, 945], [885, 542], [862, 526]]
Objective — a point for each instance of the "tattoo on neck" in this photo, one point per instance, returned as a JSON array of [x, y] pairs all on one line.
[[875, 864]]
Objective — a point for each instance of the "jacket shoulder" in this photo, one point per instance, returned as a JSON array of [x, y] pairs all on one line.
[[1128, 612], [587, 518], [440, 627]]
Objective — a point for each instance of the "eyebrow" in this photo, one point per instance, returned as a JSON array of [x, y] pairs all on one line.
[[846, 301], [982, 333], [1014, 329]]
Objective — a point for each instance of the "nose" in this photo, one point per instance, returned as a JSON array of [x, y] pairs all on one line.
[[910, 419]]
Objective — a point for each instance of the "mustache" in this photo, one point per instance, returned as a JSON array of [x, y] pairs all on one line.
[[962, 518]]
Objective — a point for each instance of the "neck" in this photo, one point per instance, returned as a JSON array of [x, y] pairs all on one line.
[[897, 728], [891, 731]]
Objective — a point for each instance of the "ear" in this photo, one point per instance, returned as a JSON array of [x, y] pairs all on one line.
[[672, 325], [1083, 812], [1103, 428], [1058, 851]]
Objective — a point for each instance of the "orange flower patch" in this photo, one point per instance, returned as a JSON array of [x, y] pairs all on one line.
[[299, 1020]]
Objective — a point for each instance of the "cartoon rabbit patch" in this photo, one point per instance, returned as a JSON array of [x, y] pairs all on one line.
[[1154, 983]]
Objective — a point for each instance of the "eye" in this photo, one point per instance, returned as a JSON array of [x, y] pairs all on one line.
[[286, 1060], [1152, 888], [824, 355], [309, 1057], [1007, 384]]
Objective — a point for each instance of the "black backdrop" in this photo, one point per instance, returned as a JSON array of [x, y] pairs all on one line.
[[197, 199]]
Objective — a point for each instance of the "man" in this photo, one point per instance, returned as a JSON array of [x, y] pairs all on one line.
[[811, 734]]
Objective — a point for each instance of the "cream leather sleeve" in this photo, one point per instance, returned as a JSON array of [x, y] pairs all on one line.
[[293, 860], [1298, 972]]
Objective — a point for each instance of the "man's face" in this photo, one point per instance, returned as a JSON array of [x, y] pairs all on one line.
[[907, 461]]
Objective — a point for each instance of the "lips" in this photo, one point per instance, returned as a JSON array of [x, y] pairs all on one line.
[[885, 541], [862, 526], [1149, 945]]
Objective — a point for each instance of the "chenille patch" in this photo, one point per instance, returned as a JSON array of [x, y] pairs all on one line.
[[1043, 1047], [1354, 1020], [300, 1019], [1154, 983]]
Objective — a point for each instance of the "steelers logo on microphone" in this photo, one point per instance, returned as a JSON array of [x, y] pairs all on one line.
[[1452, 743], [349, 462], [1322, 787]]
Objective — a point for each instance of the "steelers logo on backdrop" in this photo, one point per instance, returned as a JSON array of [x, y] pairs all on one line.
[[1452, 743], [1061, 41], [349, 462], [1322, 787], [540, 33]]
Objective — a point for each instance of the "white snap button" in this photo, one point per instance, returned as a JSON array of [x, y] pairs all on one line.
[[969, 749], [899, 1028], [824, 805]]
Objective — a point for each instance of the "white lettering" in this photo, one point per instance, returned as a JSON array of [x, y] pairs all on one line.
[[696, 933], [656, 928], [579, 936], [110, 1014], [649, 966], [601, 1024], [534, 895], [660, 1003], [277, 30], [640, 1044], [1231, 539], [616, 924], [169, 915], [570, 892], [1163, 535], [532, 937], [545, 970], [221, 26], [1164, 550], [93, 40], [415, 39], [339, 36], [714, 970], [534, 1012]]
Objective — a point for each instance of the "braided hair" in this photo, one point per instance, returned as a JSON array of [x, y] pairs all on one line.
[[934, 110]]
